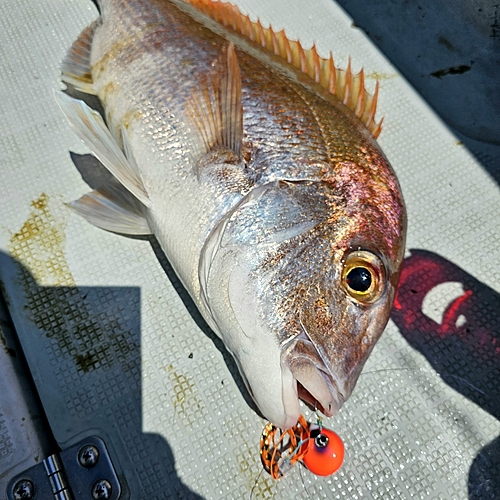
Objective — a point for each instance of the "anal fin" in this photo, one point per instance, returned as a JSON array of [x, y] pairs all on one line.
[[114, 209], [75, 67]]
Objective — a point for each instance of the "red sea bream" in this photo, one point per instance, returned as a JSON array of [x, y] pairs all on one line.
[[254, 163]]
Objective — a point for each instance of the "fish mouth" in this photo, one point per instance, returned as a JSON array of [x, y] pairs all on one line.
[[316, 386], [313, 402]]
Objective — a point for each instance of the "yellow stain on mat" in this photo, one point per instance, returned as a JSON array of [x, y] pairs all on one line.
[[375, 75], [186, 399], [258, 482], [39, 246], [53, 301]]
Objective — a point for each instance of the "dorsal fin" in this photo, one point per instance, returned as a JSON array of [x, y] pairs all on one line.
[[347, 87]]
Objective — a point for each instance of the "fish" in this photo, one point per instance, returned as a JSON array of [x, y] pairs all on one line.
[[254, 163]]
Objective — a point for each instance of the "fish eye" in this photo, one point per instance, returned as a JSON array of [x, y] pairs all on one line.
[[363, 276]]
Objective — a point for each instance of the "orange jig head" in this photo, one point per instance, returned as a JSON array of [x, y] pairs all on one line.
[[325, 451]]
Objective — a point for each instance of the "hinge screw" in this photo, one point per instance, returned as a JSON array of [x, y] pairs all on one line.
[[23, 490], [101, 490], [88, 456]]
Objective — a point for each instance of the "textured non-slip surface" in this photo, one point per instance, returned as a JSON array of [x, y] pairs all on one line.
[[117, 349]]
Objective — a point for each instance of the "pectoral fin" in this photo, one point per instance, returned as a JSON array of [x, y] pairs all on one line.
[[91, 129], [215, 111], [114, 209]]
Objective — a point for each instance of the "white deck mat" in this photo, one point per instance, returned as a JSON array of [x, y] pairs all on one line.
[[115, 352]]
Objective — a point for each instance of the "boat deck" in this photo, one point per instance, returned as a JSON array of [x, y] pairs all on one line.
[[116, 348]]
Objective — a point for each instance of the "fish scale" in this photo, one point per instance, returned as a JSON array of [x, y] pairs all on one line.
[[262, 187]]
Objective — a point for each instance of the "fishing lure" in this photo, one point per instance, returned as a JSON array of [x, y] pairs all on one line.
[[320, 449]]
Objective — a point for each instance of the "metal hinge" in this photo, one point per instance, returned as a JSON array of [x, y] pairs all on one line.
[[82, 472]]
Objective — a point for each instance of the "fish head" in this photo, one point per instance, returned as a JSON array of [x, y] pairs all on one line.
[[304, 280], [340, 318], [349, 266]]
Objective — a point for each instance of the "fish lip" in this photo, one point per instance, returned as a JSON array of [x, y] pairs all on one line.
[[301, 347], [314, 403]]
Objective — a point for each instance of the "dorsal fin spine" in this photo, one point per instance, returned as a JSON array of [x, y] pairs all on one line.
[[241, 25], [261, 37], [286, 43], [361, 94], [317, 65], [347, 84], [274, 40], [378, 128], [248, 27], [302, 59], [332, 75], [348, 88], [373, 107]]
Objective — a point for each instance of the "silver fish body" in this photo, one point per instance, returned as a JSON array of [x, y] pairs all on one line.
[[270, 198]]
